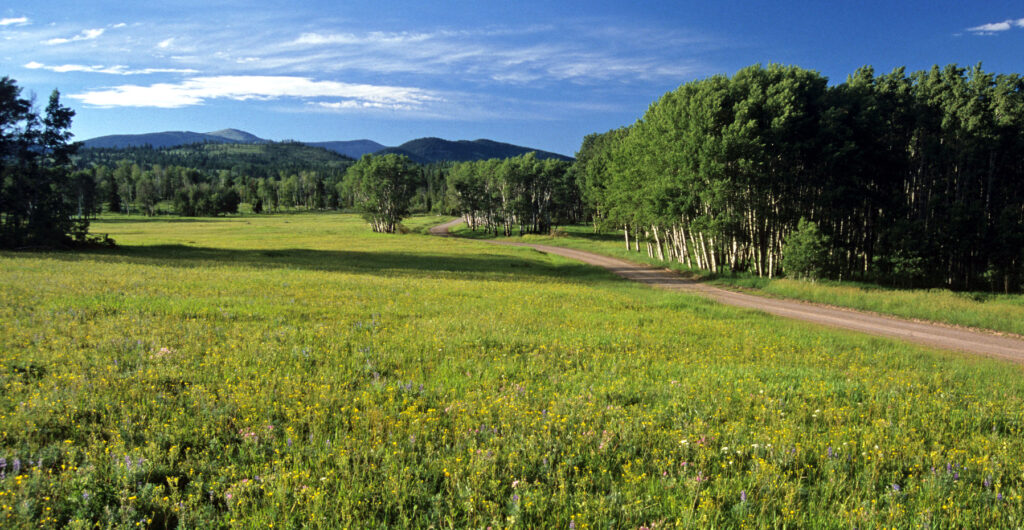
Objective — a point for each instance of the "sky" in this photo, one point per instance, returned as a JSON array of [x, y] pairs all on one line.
[[541, 74]]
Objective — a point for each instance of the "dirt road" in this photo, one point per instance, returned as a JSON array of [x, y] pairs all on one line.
[[928, 334]]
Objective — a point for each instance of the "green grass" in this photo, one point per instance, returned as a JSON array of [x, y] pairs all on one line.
[[973, 309], [302, 371]]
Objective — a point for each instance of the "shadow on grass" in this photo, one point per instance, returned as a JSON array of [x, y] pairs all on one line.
[[483, 266], [159, 219]]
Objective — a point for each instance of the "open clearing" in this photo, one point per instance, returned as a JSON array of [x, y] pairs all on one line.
[[300, 370]]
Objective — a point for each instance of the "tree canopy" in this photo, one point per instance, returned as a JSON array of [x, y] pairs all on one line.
[[912, 178], [382, 188]]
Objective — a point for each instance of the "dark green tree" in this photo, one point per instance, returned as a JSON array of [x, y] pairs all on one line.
[[805, 254], [40, 203]]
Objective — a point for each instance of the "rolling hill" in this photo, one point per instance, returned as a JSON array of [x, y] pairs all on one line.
[[427, 150], [263, 159], [421, 150], [172, 139]]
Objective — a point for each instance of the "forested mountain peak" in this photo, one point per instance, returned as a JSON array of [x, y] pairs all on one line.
[[421, 150], [237, 136], [432, 149], [155, 140]]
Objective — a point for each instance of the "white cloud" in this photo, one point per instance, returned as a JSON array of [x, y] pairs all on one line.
[[166, 43], [375, 37], [198, 90], [101, 69], [361, 105], [495, 54], [996, 27], [20, 21], [86, 34]]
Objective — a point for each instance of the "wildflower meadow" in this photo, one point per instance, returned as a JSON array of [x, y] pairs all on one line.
[[302, 371]]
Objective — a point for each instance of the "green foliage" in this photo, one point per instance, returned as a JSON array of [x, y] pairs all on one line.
[[525, 192], [915, 178], [205, 179], [382, 187], [805, 254], [301, 371], [42, 203]]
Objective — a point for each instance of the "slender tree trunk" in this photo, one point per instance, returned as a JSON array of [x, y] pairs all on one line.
[[657, 242]]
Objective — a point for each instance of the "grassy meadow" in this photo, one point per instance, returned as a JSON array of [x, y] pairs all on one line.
[[299, 370], [997, 312]]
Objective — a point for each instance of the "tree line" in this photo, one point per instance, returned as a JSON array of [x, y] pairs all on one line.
[[912, 179], [523, 194]]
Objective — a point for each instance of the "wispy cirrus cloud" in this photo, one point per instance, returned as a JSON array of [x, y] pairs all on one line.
[[86, 34], [101, 69], [198, 90], [17, 21], [501, 55], [997, 27]]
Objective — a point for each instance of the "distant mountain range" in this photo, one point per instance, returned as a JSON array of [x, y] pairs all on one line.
[[425, 150], [422, 150]]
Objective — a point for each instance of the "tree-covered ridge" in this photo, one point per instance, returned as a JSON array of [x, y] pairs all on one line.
[[434, 150], [913, 178], [256, 160]]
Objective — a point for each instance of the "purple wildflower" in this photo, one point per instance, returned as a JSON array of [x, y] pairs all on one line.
[[956, 476], [999, 496], [16, 466], [128, 461], [743, 495], [572, 524], [830, 451], [515, 498], [3, 464], [896, 488], [289, 442], [988, 482]]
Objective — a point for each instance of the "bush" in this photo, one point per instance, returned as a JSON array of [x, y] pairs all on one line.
[[805, 253]]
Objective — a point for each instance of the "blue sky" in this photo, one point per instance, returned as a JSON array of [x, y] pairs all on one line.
[[541, 74]]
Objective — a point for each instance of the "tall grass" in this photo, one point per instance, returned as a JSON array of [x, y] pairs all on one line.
[[302, 371]]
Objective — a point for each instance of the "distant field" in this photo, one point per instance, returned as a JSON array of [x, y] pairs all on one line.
[[981, 310], [302, 371]]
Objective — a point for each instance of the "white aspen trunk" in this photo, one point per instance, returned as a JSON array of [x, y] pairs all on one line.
[[696, 251], [625, 230], [704, 250], [650, 251], [636, 241], [657, 242], [686, 251], [711, 253]]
